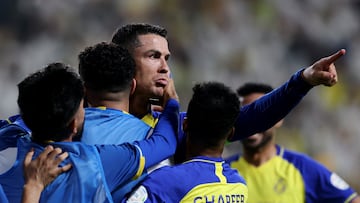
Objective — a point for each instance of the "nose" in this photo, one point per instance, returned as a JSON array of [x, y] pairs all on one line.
[[164, 67]]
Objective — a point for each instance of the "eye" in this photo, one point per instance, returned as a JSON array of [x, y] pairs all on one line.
[[156, 55]]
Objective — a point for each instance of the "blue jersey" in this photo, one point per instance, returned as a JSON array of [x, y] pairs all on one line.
[[111, 126], [97, 170], [292, 177], [201, 179], [76, 183], [3, 198]]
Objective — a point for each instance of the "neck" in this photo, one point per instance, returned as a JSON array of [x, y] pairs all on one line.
[[123, 106], [260, 156], [199, 150], [139, 106], [118, 100]]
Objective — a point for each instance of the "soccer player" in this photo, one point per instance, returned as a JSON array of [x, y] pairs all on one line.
[[148, 46], [108, 73], [275, 174], [51, 105], [204, 176]]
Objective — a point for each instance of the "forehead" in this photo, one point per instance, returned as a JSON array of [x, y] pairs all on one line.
[[153, 41], [250, 98]]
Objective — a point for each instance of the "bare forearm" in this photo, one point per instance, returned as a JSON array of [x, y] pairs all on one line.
[[31, 193]]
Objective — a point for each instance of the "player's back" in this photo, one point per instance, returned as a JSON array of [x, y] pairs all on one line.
[[111, 126], [200, 179]]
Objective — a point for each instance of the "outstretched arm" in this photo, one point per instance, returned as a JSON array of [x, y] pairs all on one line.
[[269, 109], [41, 171]]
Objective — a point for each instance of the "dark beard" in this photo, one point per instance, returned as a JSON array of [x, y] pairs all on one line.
[[254, 149]]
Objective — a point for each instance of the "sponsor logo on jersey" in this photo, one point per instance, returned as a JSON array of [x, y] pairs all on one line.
[[338, 182], [280, 186], [138, 196]]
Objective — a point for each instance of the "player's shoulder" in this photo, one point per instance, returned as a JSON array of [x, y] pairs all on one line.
[[167, 170], [232, 158], [14, 126], [291, 154], [299, 159], [99, 112], [165, 176], [156, 114]]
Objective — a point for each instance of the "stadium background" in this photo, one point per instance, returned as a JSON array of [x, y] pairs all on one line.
[[229, 41]]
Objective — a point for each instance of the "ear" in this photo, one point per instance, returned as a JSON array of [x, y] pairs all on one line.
[[86, 103], [73, 126], [231, 134], [133, 86]]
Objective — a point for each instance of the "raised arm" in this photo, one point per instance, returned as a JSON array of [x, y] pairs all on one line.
[[162, 143], [269, 109]]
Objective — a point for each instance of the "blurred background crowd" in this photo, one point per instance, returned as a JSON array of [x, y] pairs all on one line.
[[229, 41]]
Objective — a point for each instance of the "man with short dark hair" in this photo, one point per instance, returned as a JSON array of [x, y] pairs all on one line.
[[149, 47], [204, 176], [275, 174], [51, 105], [108, 72]]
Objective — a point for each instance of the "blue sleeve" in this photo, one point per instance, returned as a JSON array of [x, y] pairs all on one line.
[[3, 197], [120, 163], [323, 185], [162, 143], [180, 153], [272, 107], [123, 162], [157, 189]]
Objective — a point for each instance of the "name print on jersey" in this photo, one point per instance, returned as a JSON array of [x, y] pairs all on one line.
[[236, 198]]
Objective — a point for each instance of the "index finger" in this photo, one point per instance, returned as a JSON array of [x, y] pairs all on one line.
[[331, 59], [28, 157]]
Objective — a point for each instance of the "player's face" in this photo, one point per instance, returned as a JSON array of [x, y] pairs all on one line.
[[152, 70], [258, 140]]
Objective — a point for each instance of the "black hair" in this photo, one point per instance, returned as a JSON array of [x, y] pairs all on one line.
[[106, 67], [127, 35], [249, 88], [48, 100], [212, 112]]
